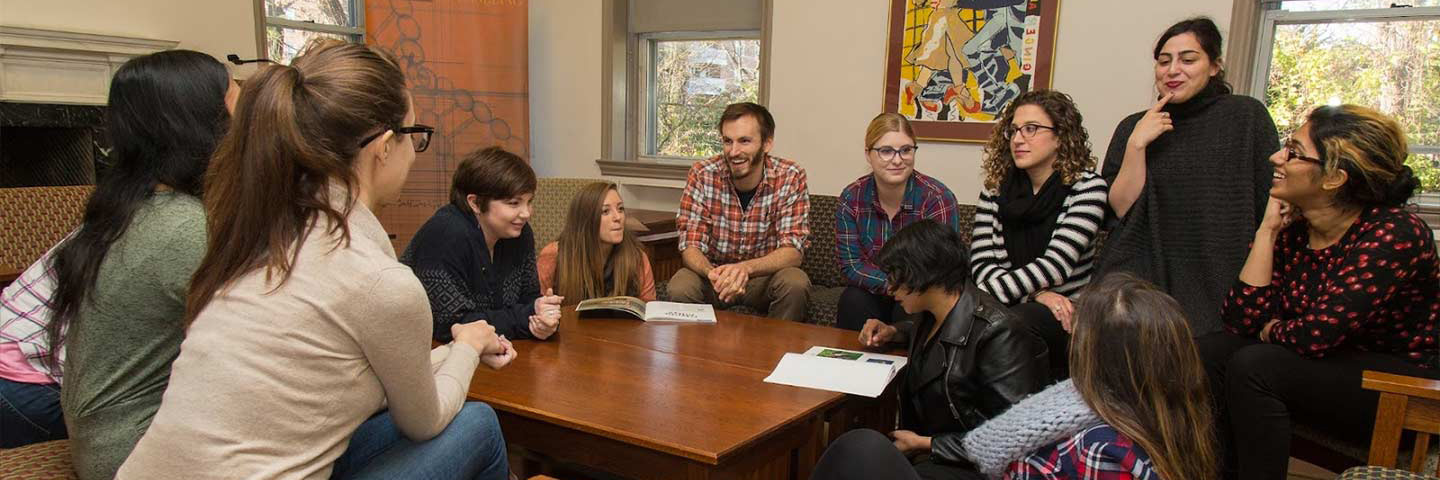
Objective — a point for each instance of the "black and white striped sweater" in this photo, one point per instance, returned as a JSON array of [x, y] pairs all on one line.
[[1068, 259]]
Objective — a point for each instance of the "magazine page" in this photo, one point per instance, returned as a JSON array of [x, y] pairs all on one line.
[[632, 305], [833, 374], [858, 356], [672, 312]]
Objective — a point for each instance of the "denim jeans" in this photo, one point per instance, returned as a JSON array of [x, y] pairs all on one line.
[[29, 413], [471, 447]]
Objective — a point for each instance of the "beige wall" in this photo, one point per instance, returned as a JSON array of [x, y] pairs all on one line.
[[825, 84], [216, 27]]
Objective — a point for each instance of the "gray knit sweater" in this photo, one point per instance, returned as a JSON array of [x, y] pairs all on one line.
[[1052, 415]]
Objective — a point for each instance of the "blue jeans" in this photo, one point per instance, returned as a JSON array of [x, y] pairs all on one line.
[[471, 447], [29, 413]]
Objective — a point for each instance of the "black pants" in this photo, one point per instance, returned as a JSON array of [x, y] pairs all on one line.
[[1041, 322], [857, 305], [1260, 389], [867, 454]]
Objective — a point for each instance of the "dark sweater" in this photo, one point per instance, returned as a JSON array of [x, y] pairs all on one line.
[[449, 256], [1206, 186]]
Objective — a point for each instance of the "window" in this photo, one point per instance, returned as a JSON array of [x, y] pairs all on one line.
[[688, 80], [289, 24], [1364, 52]]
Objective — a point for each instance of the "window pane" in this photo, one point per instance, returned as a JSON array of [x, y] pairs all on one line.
[[1315, 5], [691, 83], [1389, 66], [333, 12], [283, 44]]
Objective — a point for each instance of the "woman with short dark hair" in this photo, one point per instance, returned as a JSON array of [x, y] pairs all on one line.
[[1339, 279], [969, 361], [476, 256]]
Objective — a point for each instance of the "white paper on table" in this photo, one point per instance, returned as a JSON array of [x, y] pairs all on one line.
[[858, 376]]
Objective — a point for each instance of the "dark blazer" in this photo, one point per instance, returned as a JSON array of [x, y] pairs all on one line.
[[986, 361]]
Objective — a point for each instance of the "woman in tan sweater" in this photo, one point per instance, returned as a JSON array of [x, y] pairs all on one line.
[[308, 344]]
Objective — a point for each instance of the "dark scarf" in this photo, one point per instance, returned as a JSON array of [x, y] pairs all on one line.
[[1027, 218]]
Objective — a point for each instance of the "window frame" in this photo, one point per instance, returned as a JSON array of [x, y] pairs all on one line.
[[645, 129], [1427, 204], [355, 32]]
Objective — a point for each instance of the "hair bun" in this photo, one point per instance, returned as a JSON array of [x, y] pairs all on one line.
[[1402, 188]]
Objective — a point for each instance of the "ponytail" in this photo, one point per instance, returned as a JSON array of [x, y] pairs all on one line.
[[295, 134]]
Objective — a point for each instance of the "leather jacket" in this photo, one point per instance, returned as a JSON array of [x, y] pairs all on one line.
[[987, 361]]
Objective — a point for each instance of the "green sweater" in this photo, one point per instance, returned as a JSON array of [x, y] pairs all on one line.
[[120, 346]]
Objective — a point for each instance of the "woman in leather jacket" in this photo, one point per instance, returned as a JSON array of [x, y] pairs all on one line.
[[970, 359]]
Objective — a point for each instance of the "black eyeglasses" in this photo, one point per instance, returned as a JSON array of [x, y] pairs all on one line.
[[888, 153], [1027, 130], [419, 133], [1292, 151]]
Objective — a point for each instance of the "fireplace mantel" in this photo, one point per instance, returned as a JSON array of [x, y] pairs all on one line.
[[59, 67]]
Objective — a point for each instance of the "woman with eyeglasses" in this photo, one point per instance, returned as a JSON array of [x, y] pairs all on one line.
[[1188, 177], [307, 351], [1340, 279], [1034, 238], [873, 208]]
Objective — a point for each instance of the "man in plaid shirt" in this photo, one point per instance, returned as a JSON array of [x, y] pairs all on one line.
[[744, 223]]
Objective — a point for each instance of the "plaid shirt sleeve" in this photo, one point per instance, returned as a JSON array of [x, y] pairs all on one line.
[[793, 222], [849, 247], [1098, 453], [942, 207], [694, 205]]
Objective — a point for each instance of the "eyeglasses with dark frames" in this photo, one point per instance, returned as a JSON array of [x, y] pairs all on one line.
[[888, 153], [1026, 131], [420, 134], [1292, 152]]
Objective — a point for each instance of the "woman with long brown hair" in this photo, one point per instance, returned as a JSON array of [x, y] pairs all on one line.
[[1033, 242], [307, 350], [596, 256], [1135, 406]]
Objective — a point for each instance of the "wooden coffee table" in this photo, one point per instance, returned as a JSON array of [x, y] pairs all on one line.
[[673, 401]]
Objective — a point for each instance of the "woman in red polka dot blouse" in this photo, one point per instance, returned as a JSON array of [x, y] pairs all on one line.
[[1339, 280]]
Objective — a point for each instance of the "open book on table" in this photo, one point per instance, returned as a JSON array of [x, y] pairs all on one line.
[[838, 370], [654, 312]]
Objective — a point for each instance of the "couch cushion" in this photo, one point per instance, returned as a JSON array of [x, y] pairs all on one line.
[[40, 461], [35, 219], [1372, 472]]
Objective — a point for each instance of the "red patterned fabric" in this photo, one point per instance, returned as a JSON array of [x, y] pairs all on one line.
[[40, 461], [1097, 453], [1377, 290], [33, 219]]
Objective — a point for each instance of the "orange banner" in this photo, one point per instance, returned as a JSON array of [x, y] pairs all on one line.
[[466, 62]]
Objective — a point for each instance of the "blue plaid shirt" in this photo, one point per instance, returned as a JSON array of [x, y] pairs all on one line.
[[862, 227]]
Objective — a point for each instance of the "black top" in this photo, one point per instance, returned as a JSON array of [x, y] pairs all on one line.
[[745, 197], [449, 256], [927, 363], [1029, 216], [1206, 186]]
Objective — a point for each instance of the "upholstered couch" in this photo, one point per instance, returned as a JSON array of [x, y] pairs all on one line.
[[35, 219]]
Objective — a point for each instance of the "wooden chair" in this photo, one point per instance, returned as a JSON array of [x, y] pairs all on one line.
[[1406, 403]]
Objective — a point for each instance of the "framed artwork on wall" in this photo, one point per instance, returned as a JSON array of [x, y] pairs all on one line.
[[951, 66]]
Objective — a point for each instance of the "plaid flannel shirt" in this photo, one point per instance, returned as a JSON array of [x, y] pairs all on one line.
[[25, 311], [712, 220], [1097, 453], [862, 227]]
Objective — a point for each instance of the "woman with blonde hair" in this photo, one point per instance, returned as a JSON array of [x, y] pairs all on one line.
[[307, 347], [1339, 279], [596, 256], [874, 207], [1033, 243]]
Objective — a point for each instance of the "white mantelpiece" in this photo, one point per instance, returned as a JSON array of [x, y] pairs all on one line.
[[51, 66]]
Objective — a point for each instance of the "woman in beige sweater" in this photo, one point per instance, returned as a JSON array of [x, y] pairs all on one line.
[[308, 345]]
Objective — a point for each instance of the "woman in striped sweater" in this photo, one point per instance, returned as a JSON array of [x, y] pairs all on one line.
[[1035, 227]]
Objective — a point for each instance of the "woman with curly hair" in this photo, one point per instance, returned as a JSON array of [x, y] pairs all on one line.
[[1035, 226]]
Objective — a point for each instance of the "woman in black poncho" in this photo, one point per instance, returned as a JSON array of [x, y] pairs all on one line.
[[1189, 177]]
